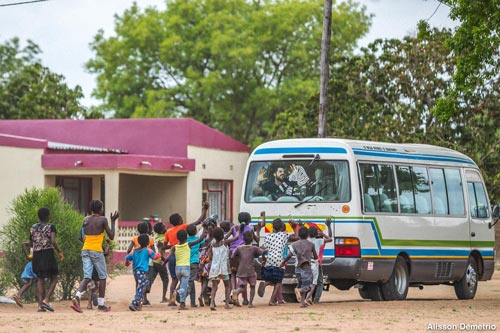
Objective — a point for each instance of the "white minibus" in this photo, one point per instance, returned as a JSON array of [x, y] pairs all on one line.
[[403, 215]]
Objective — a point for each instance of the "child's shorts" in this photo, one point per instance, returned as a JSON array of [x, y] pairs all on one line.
[[272, 274], [220, 277], [315, 271], [242, 281], [304, 277], [28, 273]]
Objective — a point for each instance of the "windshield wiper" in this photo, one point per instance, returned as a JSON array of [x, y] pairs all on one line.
[[312, 197], [316, 158]]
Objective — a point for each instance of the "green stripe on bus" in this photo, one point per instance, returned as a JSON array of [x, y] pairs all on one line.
[[392, 242]]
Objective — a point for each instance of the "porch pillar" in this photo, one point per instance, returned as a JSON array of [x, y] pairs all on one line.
[[112, 192]]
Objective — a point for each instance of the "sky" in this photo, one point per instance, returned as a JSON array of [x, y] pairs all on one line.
[[63, 29]]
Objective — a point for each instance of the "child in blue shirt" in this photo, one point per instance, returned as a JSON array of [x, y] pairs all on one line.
[[28, 276], [140, 257], [194, 262]]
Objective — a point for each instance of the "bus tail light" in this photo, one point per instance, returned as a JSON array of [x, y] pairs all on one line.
[[347, 247]]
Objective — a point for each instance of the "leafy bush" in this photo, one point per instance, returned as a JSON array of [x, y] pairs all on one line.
[[23, 213]]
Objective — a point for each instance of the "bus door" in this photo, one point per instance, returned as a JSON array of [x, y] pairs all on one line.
[[479, 209]]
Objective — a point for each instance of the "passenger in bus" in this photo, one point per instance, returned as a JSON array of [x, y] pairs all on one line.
[[293, 183], [275, 187]]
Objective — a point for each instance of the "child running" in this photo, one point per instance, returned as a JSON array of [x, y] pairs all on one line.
[[182, 254], [93, 285], [319, 240], [158, 266], [304, 250], [140, 257], [244, 220], [43, 242], [246, 269], [275, 244], [205, 261], [28, 276], [193, 261], [219, 269], [171, 240]]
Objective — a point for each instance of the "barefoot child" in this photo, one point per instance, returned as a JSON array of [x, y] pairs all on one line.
[[219, 269], [244, 219], [246, 254], [93, 285], [171, 240], [304, 251], [275, 244], [182, 254], [204, 259], [319, 240], [194, 261], [140, 257], [28, 276], [158, 266]]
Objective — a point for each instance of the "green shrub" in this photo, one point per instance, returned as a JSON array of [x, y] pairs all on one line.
[[23, 213]]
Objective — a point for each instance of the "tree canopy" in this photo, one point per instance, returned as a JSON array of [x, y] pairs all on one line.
[[233, 65], [476, 45], [387, 93], [29, 90]]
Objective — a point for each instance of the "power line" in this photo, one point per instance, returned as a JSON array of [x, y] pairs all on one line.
[[435, 11], [21, 3]]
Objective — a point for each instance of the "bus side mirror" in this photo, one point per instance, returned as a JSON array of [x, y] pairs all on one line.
[[495, 214]]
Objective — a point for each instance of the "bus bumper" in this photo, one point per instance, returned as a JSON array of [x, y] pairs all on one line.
[[358, 269]]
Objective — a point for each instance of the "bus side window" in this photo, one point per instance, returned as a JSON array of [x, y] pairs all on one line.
[[477, 200], [438, 186], [455, 192]]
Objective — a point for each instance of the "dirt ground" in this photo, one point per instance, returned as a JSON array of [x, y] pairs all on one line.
[[435, 308]]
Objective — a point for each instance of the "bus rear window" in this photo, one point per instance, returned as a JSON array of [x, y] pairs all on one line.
[[298, 180]]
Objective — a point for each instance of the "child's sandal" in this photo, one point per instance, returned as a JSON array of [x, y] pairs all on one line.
[[18, 301]]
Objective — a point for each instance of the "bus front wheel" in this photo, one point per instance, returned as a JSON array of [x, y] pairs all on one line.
[[466, 288], [396, 288]]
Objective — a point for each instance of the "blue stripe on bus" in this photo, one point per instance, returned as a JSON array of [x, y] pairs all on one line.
[[421, 157], [301, 150], [379, 251], [415, 252]]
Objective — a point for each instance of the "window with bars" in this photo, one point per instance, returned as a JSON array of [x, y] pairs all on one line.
[[219, 194]]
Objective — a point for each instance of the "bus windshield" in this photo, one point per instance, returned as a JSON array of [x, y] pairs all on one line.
[[298, 180]]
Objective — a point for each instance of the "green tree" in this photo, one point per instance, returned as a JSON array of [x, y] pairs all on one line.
[[476, 45], [387, 93], [232, 65], [23, 214], [28, 90], [384, 93]]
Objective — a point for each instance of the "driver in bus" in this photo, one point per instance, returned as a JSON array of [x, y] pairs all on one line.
[[277, 187]]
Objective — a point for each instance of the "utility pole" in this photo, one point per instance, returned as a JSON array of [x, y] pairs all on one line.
[[324, 68]]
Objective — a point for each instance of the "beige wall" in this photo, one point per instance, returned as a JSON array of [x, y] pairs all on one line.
[[20, 169], [141, 196], [214, 164], [162, 193]]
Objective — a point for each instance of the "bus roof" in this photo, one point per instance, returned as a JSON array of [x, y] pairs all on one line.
[[361, 150]]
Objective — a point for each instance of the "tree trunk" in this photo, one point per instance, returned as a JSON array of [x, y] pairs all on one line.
[[324, 67]]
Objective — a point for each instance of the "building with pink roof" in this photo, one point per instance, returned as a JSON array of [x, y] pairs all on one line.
[[137, 166]]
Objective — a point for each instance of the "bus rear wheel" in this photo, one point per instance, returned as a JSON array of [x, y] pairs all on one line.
[[396, 288], [466, 288]]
